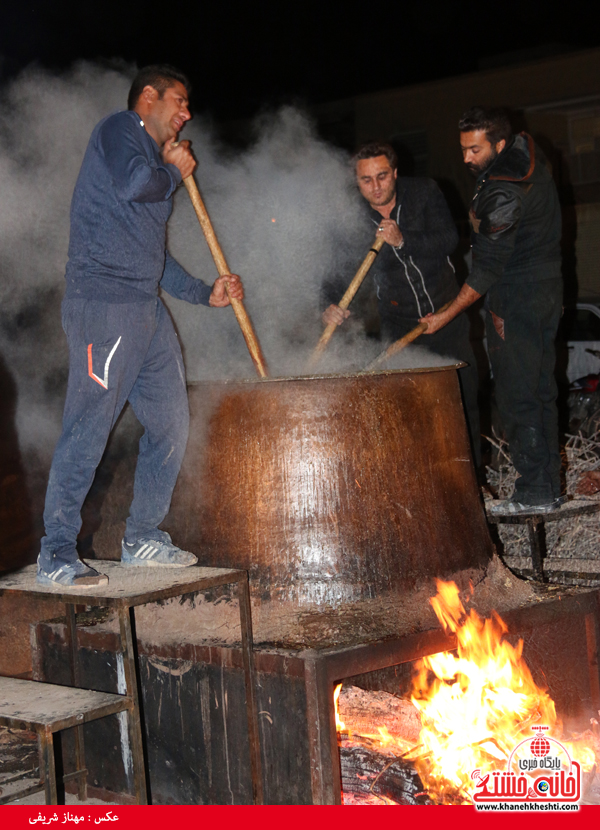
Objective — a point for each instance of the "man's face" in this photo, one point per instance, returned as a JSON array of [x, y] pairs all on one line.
[[478, 152], [376, 180], [168, 114]]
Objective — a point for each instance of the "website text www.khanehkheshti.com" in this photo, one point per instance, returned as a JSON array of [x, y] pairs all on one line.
[[528, 805]]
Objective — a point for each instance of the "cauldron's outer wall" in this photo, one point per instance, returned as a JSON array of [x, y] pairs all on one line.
[[331, 489]]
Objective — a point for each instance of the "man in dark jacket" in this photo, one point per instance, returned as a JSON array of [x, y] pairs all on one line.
[[413, 274], [122, 344], [516, 230]]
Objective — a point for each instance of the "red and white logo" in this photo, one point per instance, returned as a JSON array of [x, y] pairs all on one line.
[[539, 769], [103, 381]]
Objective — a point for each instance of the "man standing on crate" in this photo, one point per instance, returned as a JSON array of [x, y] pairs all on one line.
[[516, 230], [122, 344]]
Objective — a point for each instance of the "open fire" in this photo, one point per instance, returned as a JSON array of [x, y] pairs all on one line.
[[475, 706]]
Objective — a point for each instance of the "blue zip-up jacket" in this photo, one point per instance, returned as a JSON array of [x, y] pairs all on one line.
[[119, 212]]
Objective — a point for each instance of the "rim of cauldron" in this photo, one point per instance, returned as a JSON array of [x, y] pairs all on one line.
[[337, 375]]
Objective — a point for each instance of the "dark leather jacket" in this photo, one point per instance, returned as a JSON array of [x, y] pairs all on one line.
[[417, 278], [515, 219]]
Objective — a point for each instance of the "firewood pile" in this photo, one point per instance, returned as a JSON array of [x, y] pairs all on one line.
[[573, 541], [383, 761], [381, 758], [18, 758], [370, 776], [374, 759]]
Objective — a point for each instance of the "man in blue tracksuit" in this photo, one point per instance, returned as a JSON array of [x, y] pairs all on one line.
[[122, 344]]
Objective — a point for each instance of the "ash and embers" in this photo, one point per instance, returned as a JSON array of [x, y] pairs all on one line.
[[468, 710]]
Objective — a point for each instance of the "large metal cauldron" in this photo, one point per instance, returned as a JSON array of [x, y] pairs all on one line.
[[331, 489]]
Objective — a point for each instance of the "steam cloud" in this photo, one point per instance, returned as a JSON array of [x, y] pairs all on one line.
[[286, 213]]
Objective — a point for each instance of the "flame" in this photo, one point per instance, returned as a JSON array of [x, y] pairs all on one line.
[[340, 726], [475, 705], [386, 738]]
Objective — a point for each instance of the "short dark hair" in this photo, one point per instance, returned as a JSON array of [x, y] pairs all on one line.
[[372, 149], [161, 76], [491, 119]]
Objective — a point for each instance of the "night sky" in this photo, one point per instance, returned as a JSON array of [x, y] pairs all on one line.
[[244, 57]]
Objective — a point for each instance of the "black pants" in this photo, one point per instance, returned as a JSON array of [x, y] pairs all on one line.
[[521, 324], [451, 341]]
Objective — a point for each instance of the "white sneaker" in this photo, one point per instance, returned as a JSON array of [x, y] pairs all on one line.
[[152, 553]]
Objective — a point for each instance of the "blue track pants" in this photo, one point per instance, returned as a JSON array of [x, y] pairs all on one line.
[[118, 352]]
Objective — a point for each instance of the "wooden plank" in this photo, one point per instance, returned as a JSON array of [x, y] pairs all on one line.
[[565, 604], [134, 722], [79, 736], [243, 593], [19, 794], [57, 707], [324, 762], [345, 662], [126, 586], [569, 510], [592, 642]]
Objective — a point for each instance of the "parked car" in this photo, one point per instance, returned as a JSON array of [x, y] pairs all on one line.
[[578, 364], [578, 339], [580, 331]]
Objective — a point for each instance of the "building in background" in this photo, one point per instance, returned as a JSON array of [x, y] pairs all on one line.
[[556, 99]]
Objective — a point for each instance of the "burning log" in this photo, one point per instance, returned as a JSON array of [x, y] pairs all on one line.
[[367, 772], [374, 766], [481, 713]]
